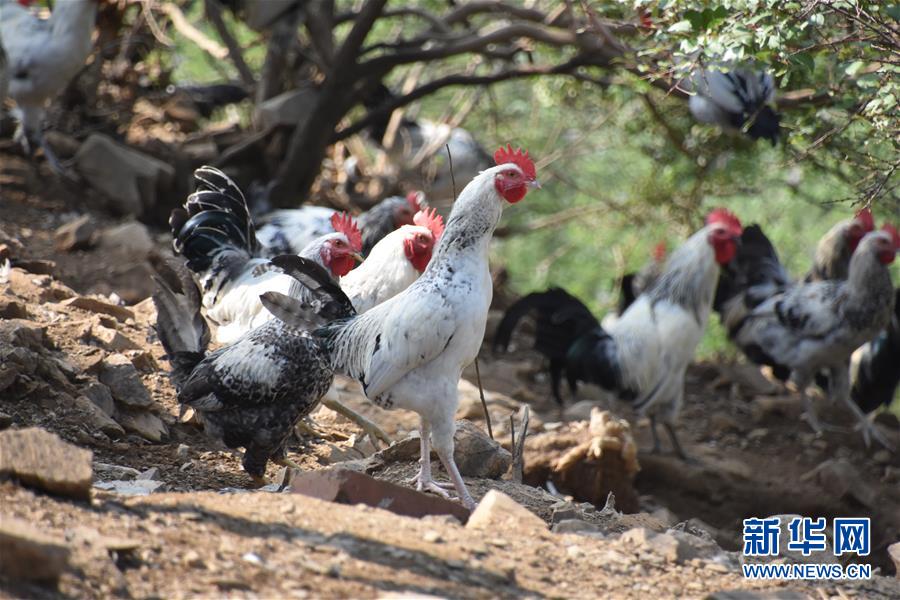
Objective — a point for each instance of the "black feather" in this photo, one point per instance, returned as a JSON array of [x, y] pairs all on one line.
[[878, 375]]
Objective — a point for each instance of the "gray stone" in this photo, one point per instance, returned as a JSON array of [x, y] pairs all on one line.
[[673, 548], [96, 419], [108, 471], [137, 487], [145, 424], [575, 526], [119, 374], [100, 395], [29, 553], [131, 180], [477, 455]]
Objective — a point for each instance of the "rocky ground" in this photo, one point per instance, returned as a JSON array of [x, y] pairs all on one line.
[[155, 509]]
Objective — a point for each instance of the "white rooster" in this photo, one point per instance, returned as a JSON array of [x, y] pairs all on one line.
[[409, 352], [44, 56], [642, 357]]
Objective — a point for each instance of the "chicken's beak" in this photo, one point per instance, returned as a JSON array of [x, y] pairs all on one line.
[[534, 183], [357, 256]]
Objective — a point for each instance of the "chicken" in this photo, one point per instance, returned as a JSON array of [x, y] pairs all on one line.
[[419, 151], [643, 356], [409, 352], [231, 293], [215, 234], [561, 319], [251, 393], [44, 56], [288, 231], [875, 367], [736, 99], [817, 326], [834, 249], [757, 274]]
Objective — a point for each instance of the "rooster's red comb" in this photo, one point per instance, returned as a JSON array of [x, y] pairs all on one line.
[[726, 218], [344, 223], [892, 231], [415, 198], [659, 252], [518, 158], [864, 216], [432, 221]]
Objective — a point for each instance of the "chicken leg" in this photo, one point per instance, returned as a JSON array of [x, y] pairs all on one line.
[[840, 385], [442, 437], [423, 479]]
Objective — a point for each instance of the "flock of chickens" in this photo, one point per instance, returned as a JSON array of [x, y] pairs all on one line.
[[404, 324], [409, 319], [845, 307], [291, 307]]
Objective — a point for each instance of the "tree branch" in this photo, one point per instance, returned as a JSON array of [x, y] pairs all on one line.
[[214, 14]]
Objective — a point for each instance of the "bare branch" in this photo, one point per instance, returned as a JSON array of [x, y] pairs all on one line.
[[214, 14]]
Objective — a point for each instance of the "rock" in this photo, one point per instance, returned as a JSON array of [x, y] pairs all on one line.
[[182, 451], [5, 420], [37, 266], [575, 526], [11, 309], [587, 460], [99, 306], [289, 108], [131, 180], [580, 411], [143, 361], [665, 516], [41, 459], [131, 238], [112, 339], [749, 378], [75, 235], [105, 470], [137, 487], [145, 424], [894, 553], [96, 419], [350, 487], [152, 474], [841, 478], [477, 455], [29, 553], [100, 395], [673, 549], [499, 512], [17, 332], [118, 373]]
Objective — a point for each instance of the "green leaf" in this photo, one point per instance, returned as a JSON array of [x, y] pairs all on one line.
[[681, 27], [804, 60]]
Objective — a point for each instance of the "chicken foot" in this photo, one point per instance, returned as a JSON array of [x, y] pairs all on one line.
[[423, 479], [443, 445]]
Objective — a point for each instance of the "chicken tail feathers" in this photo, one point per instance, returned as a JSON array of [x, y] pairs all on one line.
[[755, 275], [593, 358], [877, 368], [214, 218], [561, 318], [324, 303], [181, 328]]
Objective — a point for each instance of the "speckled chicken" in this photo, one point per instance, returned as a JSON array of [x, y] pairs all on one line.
[[252, 393]]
